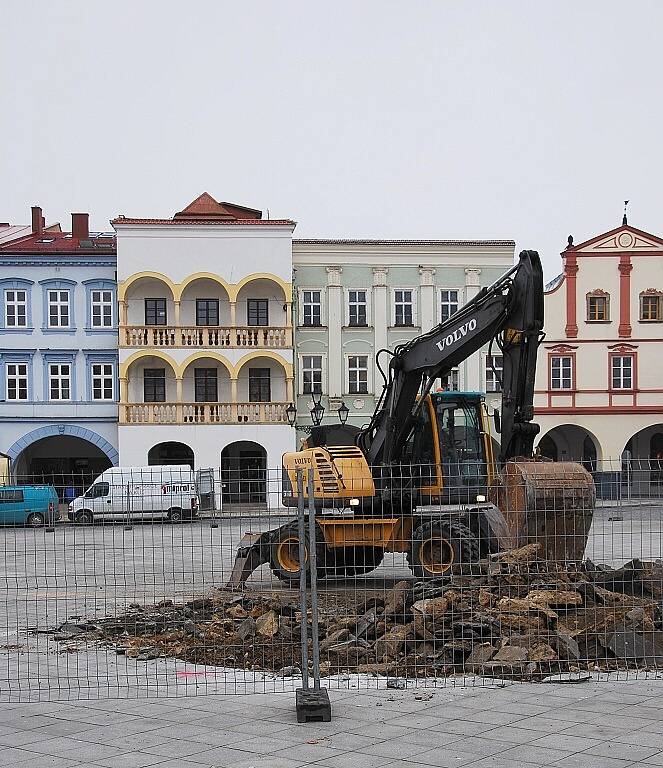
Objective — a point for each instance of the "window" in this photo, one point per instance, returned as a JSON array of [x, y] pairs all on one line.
[[154, 385], [207, 312], [17, 381], [561, 372], [59, 381], [311, 308], [155, 312], [448, 304], [311, 374], [259, 385], [403, 308], [494, 368], [257, 312], [58, 309], [597, 308], [650, 307], [101, 303], [103, 377], [622, 372], [11, 496], [98, 490], [451, 382], [357, 316], [16, 309], [206, 385], [358, 374]]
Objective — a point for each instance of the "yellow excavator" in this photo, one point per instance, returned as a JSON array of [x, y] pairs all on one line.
[[422, 477]]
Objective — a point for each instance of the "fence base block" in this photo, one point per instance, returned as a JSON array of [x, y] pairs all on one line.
[[313, 705]]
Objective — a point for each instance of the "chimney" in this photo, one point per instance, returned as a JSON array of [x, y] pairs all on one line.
[[80, 227], [37, 220]]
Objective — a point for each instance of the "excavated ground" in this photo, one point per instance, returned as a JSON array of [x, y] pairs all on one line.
[[515, 615]]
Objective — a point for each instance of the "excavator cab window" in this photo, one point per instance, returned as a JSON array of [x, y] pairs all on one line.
[[419, 450], [462, 448]]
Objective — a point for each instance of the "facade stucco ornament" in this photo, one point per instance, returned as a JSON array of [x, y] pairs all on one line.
[[358, 404], [380, 275], [427, 275], [334, 275], [473, 276]]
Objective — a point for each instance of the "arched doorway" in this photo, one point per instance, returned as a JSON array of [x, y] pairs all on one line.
[[569, 442], [244, 473], [67, 462], [642, 463], [170, 453], [548, 448]]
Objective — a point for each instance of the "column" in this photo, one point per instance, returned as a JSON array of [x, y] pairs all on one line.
[[335, 322], [289, 389], [124, 399], [123, 312], [233, 314], [381, 320], [178, 397], [570, 273], [625, 268], [233, 390], [177, 314], [473, 378], [288, 324], [427, 298]]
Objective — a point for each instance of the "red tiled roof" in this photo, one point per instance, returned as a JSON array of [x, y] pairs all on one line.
[[216, 222], [504, 243], [206, 210], [52, 241]]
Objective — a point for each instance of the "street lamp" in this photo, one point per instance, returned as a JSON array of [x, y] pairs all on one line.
[[318, 410], [291, 414], [343, 412]]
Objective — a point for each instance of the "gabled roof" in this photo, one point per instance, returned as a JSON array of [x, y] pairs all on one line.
[[618, 240], [206, 207], [53, 241]]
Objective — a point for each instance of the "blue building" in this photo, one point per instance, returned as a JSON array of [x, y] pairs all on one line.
[[58, 353]]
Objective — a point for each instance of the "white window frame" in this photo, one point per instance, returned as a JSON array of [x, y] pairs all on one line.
[[59, 303], [563, 377], [621, 358], [454, 373], [413, 292], [301, 371], [488, 370], [367, 292], [16, 303], [442, 303], [102, 375], [369, 375], [59, 377], [17, 376], [303, 291], [101, 303]]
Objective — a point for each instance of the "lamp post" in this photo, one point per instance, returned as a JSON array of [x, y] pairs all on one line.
[[317, 413]]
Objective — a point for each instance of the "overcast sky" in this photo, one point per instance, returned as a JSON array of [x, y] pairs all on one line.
[[526, 120]]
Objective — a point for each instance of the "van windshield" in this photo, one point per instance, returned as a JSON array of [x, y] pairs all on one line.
[[97, 490]]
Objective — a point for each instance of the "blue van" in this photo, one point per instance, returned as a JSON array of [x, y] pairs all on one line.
[[32, 505]]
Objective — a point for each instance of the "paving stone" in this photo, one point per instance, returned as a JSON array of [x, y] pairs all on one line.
[[622, 751], [445, 758], [566, 742], [527, 753], [175, 748], [583, 760]]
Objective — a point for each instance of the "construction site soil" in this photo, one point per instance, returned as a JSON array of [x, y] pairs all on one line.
[[513, 615]]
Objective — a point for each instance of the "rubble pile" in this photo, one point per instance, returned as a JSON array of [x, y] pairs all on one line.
[[514, 615]]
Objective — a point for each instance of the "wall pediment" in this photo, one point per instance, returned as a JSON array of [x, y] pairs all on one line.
[[620, 240]]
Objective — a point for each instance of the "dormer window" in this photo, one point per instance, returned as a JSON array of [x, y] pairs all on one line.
[[598, 307]]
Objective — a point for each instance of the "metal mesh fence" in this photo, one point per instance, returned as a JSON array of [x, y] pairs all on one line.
[[119, 585]]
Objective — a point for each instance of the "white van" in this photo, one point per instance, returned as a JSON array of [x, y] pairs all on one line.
[[124, 493]]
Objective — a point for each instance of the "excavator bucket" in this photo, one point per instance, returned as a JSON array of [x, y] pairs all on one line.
[[252, 552], [548, 502]]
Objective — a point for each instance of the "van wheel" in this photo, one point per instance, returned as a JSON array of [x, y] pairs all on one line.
[[35, 520], [83, 517], [175, 515]]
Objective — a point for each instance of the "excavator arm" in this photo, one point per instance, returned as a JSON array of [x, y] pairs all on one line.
[[509, 314]]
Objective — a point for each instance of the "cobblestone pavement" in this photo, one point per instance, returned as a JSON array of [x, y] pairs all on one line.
[[596, 724]]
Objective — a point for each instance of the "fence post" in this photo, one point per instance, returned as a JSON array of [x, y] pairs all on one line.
[[312, 704]]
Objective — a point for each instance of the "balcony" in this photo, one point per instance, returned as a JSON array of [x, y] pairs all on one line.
[[203, 413], [206, 337]]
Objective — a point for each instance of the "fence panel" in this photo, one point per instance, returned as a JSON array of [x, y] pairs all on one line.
[[127, 593]]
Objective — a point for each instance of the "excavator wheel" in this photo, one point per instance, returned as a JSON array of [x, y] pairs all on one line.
[[284, 554], [439, 545], [353, 561]]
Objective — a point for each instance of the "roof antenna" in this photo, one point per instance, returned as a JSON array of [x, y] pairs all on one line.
[[624, 221]]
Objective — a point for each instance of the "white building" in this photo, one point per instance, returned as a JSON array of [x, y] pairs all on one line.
[[599, 392], [206, 348]]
